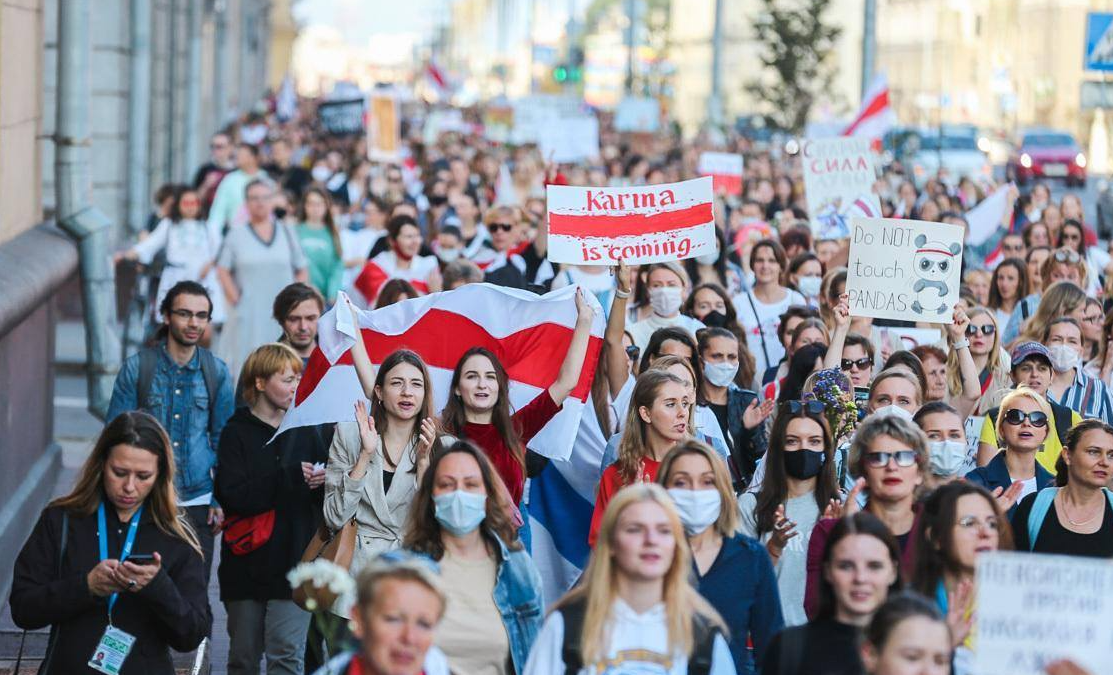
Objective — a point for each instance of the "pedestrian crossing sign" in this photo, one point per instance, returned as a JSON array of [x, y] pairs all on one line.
[[1099, 41]]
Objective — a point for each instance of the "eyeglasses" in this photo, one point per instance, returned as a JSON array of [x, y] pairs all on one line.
[[1016, 417], [218, 146], [1095, 319], [881, 459], [505, 227], [970, 522], [1067, 256], [186, 315], [988, 329], [813, 406], [859, 364]]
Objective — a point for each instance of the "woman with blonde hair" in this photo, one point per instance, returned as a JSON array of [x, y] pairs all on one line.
[[979, 340], [1063, 298], [148, 580], [1061, 265], [730, 569], [634, 610]]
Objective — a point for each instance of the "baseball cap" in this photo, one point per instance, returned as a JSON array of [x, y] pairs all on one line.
[[1027, 350]]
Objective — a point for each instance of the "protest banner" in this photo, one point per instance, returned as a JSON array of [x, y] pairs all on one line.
[[644, 224], [838, 182], [570, 139], [904, 269], [341, 118], [1034, 609], [725, 169], [637, 114], [384, 131]]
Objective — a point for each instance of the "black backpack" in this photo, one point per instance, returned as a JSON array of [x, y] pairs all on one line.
[[699, 661], [148, 359]]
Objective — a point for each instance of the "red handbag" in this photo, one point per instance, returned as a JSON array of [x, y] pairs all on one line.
[[244, 534]]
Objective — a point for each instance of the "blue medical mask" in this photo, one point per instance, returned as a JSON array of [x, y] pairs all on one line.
[[460, 512]]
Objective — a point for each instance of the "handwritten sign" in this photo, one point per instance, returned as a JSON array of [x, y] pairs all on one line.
[[904, 269], [1033, 609], [725, 169], [384, 132], [570, 139], [645, 224], [838, 182], [341, 118]]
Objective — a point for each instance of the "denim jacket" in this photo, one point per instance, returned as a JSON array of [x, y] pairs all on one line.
[[520, 602], [179, 401]]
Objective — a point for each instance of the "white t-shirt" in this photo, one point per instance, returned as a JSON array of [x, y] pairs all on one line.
[[636, 641], [357, 244], [1029, 488], [759, 319], [792, 567], [644, 329]]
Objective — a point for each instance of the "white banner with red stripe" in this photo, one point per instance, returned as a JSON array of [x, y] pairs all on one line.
[[638, 224], [529, 334], [725, 169]]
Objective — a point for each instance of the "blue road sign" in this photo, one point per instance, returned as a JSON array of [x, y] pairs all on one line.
[[1099, 41]]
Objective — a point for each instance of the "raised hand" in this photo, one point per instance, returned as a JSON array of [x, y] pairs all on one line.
[[960, 616], [841, 311], [1006, 498], [783, 530], [368, 438], [756, 413], [957, 329], [622, 276]]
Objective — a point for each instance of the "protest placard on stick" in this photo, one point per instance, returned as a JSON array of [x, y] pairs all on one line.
[[643, 224], [1034, 609], [904, 269], [838, 182], [384, 130]]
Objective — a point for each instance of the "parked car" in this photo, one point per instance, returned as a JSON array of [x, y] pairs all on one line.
[[1047, 153], [949, 155]]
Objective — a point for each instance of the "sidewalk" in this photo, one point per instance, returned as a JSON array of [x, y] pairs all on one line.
[[75, 429]]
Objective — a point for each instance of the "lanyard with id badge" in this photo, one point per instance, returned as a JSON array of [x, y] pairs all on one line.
[[115, 644]]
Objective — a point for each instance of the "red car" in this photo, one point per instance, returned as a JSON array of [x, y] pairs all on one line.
[[1046, 153]]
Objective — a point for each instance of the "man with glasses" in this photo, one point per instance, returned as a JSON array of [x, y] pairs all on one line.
[[189, 391]]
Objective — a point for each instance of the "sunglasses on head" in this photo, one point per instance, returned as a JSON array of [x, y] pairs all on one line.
[[988, 329], [812, 406], [1064, 255], [505, 227], [1016, 417], [860, 364], [881, 459], [633, 352]]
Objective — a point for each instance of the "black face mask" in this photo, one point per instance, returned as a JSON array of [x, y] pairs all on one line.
[[715, 319], [437, 200], [804, 464], [280, 213]]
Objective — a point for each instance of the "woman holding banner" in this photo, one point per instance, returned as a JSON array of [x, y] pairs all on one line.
[[760, 309]]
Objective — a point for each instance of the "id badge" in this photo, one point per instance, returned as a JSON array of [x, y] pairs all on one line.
[[113, 648]]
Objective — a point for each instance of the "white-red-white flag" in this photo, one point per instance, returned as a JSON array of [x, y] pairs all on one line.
[[384, 267], [876, 116], [530, 335], [439, 79]]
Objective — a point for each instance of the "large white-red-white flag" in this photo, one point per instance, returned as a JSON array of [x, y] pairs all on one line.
[[876, 116], [530, 335]]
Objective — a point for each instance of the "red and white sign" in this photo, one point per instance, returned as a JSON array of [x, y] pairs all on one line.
[[530, 334], [725, 169], [643, 224]]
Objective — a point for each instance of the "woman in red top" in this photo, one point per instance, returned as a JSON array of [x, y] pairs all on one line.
[[479, 407], [658, 419]]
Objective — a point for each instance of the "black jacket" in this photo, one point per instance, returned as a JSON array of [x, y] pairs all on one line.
[[253, 477], [171, 612]]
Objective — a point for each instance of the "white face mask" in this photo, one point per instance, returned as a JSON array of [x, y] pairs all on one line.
[[947, 457], [447, 255], [720, 374], [809, 286], [320, 173], [665, 300], [708, 259], [1063, 357], [893, 410], [698, 509]]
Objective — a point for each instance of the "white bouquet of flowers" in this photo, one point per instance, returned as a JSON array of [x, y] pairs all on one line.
[[326, 586]]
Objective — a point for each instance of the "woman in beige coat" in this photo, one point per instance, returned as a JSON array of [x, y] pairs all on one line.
[[376, 462]]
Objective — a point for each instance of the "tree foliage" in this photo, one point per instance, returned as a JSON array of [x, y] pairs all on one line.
[[797, 68]]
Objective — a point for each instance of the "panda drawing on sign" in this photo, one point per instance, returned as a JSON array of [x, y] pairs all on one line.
[[932, 266]]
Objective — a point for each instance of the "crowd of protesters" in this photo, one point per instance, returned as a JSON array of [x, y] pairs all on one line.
[[786, 488]]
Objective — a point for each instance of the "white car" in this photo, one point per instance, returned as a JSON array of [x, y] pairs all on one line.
[[958, 156]]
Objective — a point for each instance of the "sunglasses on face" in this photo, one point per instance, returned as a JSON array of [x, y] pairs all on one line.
[[1016, 417], [812, 406], [856, 364], [505, 227], [881, 459], [988, 329]]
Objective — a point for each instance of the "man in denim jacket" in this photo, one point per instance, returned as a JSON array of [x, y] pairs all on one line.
[[177, 394]]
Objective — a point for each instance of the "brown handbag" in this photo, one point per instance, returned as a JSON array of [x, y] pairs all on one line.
[[335, 547]]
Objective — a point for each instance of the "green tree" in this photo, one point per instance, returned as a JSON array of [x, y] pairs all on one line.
[[797, 67]]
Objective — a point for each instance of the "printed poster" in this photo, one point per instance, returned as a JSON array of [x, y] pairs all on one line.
[[904, 269], [838, 182], [341, 118], [725, 169], [644, 224]]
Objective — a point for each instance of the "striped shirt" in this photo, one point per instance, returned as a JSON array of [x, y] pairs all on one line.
[[1088, 396]]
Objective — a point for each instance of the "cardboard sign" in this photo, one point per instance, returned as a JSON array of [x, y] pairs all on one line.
[[838, 182], [646, 224], [570, 139], [725, 170], [341, 118], [384, 131], [904, 269], [638, 114], [1033, 609]]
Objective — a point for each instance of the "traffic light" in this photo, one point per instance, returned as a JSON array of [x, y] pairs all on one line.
[[560, 74]]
